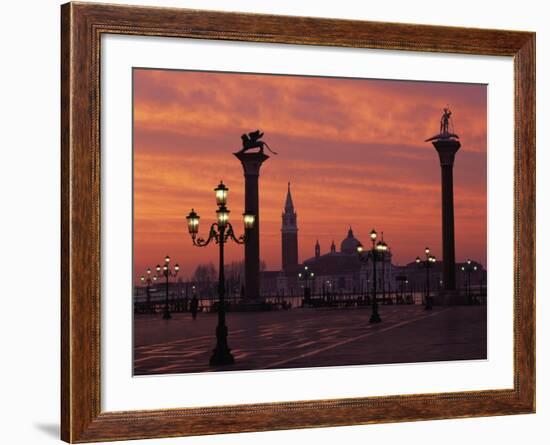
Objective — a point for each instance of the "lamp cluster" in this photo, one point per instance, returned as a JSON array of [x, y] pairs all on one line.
[[306, 274], [222, 213], [162, 271], [148, 279], [166, 271], [469, 266], [429, 258], [380, 246]]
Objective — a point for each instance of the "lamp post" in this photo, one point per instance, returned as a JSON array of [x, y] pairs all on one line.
[[468, 270], [220, 232], [327, 285], [148, 280], [427, 263], [168, 272], [375, 317], [382, 248], [306, 275]]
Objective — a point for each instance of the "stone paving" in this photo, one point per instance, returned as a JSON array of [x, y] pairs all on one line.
[[301, 338]]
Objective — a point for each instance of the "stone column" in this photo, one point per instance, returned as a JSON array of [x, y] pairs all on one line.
[[251, 163], [447, 148]]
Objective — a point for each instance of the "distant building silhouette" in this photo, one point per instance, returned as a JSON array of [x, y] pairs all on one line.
[[335, 271], [341, 271]]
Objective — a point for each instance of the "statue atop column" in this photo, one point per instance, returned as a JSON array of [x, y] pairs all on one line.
[[447, 145], [252, 140], [444, 127]]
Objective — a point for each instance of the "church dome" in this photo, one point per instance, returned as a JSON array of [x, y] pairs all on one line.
[[350, 243]]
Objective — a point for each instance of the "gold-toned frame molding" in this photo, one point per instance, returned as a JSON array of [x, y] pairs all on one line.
[[82, 25]]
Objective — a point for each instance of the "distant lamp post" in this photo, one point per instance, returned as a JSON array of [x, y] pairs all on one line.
[[427, 263], [375, 317], [327, 289], [468, 268], [220, 232], [148, 280], [382, 248], [307, 276], [168, 272], [360, 250]]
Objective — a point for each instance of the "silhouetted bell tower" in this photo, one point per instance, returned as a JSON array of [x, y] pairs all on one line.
[[289, 236]]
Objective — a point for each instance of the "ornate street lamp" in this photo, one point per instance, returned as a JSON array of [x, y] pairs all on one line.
[[148, 280], [375, 317], [220, 232], [427, 263], [168, 272]]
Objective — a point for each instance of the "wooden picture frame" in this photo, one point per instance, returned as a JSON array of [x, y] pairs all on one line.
[[82, 25]]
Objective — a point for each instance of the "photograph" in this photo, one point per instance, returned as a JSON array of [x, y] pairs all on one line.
[[291, 221]]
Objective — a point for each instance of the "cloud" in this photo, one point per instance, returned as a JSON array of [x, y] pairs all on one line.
[[353, 149]]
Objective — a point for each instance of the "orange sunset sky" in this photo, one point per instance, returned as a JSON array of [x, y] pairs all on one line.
[[353, 150]]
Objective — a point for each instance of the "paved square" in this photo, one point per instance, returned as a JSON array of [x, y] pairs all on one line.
[[301, 338]]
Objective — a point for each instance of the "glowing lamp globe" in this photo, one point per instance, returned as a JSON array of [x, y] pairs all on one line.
[[249, 220], [221, 194], [193, 222], [223, 216]]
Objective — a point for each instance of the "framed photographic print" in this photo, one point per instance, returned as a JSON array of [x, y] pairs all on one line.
[[279, 222]]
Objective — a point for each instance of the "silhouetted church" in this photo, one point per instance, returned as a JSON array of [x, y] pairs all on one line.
[[334, 271]]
